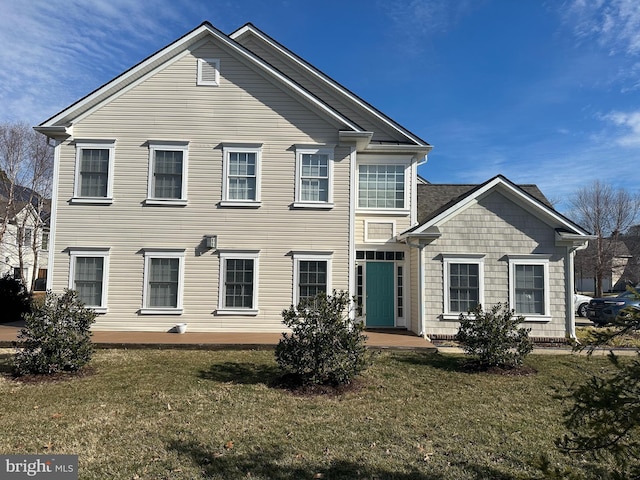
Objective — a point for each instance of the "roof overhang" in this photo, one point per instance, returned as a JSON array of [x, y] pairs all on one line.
[[573, 240], [57, 132], [360, 140], [422, 238]]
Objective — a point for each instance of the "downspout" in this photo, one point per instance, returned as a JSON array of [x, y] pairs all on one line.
[[569, 313], [421, 313]]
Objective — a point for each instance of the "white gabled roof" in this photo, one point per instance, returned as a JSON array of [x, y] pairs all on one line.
[[159, 60], [328, 81], [566, 227]]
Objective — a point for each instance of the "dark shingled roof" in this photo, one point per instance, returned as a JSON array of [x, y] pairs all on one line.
[[434, 199]]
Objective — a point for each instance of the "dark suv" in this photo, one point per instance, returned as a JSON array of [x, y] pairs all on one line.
[[602, 311]]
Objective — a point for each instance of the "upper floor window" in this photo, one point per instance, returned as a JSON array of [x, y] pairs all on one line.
[[24, 236], [45, 241], [529, 286], [314, 177], [94, 171], [163, 281], [88, 275], [208, 71], [463, 283], [241, 183], [382, 186], [167, 173]]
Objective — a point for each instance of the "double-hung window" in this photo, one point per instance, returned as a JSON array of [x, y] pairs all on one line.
[[163, 281], [311, 275], [463, 284], [238, 289], [383, 186], [94, 171], [88, 275], [167, 184], [529, 286], [241, 183], [314, 177]]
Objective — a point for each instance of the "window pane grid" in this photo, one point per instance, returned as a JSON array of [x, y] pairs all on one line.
[[239, 283], [88, 279], [314, 177], [312, 278], [94, 172], [242, 176], [163, 282], [381, 186], [464, 287], [529, 289], [168, 174]]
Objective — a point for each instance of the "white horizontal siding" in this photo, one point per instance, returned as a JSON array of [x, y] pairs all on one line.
[[170, 106]]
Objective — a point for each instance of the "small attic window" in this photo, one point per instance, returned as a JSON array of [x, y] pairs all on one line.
[[209, 71]]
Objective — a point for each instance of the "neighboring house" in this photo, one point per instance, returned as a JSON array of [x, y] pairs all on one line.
[[24, 244], [224, 178], [619, 267]]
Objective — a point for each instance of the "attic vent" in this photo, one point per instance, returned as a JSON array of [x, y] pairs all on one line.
[[379, 231], [209, 71]]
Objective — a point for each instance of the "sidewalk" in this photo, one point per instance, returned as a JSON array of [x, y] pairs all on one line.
[[400, 339]]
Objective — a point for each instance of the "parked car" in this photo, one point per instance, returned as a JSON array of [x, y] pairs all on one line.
[[602, 311], [580, 304]]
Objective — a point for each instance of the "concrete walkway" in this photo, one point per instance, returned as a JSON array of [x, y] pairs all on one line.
[[400, 339]]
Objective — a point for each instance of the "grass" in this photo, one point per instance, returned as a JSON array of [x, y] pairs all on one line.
[[174, 414], [584, 335]]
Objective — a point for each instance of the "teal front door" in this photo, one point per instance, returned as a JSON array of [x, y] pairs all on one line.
[[380, 305]]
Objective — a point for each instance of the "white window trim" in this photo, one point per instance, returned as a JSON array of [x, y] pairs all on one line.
[[386, 160], [309, 256], [313, 150], [530, 260], [162, 253], [210, 61], [379, 240], [227, 149], [76, 252], [447, 260], [238, 255], [109, 145], [178, 145]]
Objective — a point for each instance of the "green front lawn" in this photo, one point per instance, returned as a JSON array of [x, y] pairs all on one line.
[[174, 414]]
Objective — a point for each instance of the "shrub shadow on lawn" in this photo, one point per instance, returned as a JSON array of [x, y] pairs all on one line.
[[268, 462], [449, 363], [242, 373]]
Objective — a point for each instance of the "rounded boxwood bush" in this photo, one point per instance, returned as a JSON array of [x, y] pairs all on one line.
[[324, 347], [14, 299], [56, 336]]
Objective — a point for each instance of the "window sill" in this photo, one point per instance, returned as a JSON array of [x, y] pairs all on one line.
[[237, 311], [536, 318], [160, 311], [383, 211], [98, 309], [240, 203], [452, 316], [165, 202], [92, 200], [314, 205]]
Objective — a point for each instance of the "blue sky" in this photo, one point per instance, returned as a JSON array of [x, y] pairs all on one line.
[[544, 92]]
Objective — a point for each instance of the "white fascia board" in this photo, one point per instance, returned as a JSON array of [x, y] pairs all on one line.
[[543, 212], [334, 85], [172, 53]]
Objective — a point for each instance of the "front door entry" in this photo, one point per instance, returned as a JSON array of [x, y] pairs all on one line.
[[380, 305]]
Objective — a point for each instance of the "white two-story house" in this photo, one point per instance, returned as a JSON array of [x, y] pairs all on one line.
[[224, 178]]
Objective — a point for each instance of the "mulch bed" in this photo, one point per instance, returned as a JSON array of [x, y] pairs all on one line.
[[34, 379], [293, 385]]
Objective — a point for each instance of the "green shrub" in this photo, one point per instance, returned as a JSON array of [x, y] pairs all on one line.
[[56, 336], [14, 299], [324, 346], [493, 336]]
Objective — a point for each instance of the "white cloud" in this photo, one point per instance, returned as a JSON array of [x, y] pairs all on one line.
[[631, 123], [52, 53]]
